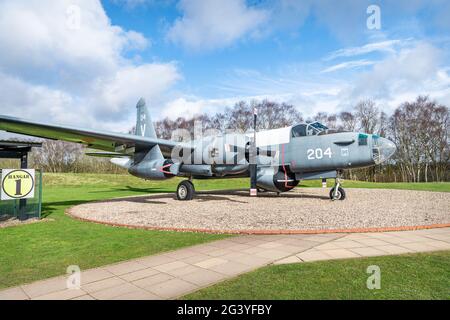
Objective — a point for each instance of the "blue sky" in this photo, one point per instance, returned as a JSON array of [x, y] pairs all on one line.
[[87, 62]]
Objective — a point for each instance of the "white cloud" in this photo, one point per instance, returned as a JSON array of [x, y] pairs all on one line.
[[309, 93], [20, 98], [308, 103], [182, 107], [128, 84], [387, 46], [54, 70], [190, 106], [214, 23], [348, 65], [416, 69], [41, 34], [407, 70]]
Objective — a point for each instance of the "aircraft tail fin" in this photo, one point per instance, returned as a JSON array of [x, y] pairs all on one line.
[[144, 124], [145, 128]]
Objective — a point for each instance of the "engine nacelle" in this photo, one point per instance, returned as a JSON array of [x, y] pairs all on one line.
[[275, 180], [223, 170], [154, 169]]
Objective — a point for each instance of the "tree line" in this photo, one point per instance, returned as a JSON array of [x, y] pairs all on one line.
[[419, 128]]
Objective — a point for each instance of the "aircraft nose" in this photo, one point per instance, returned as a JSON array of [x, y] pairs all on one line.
[[386, 149]]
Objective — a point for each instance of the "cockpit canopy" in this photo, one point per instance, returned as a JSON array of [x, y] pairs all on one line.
[[308, 129]]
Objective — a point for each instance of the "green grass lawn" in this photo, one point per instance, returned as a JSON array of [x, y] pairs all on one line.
[[411, 276], [41, 250]]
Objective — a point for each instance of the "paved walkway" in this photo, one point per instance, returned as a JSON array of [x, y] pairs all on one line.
[[174, 274]]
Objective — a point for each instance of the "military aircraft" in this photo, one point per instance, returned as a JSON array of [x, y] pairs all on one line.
[[275, 160]]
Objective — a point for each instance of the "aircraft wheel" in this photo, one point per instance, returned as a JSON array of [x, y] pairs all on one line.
[[185, 190], [340, 195]]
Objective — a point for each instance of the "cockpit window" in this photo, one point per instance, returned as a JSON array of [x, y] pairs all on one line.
[[375, 140], [362, 139], [318, 126], [299, 131], [309, 129]]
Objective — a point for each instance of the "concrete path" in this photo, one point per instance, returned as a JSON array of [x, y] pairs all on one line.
[[174, 274]]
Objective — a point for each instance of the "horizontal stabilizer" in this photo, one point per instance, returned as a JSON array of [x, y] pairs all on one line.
[[122, 162]]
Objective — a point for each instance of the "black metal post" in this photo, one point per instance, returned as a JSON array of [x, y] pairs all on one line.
[[23, 202]]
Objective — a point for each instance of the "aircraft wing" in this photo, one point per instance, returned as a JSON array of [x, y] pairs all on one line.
[[95, 139]]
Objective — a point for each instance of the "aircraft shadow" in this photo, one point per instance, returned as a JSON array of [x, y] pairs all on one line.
[[201, 196], [50, 207], [245, 194], [133, 189], [216, 195]]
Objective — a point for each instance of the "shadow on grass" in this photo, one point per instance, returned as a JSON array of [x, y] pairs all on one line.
[[157, 196], [215, 195], [133, 189], [244, 193], [49, 208], [211, 197]]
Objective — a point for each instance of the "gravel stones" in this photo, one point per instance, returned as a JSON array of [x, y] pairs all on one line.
[[301, 209]]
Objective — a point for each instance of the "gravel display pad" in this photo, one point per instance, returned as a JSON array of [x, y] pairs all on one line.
[[301, 209]]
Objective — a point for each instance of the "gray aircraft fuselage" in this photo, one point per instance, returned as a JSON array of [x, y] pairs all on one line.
[[306, 155]]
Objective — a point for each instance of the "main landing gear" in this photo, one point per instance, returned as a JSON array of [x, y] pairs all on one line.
[[337, 192], [185, 190]]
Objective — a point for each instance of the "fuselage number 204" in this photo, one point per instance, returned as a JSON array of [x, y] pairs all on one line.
[[318, 153]]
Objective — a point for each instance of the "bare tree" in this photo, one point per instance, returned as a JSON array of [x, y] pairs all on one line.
[[348, 121], [218, 121], [271, 115], [368, 115], [321, 117], [421, 132], [57, 156], [239, 117], [383, 124], [434, 122]]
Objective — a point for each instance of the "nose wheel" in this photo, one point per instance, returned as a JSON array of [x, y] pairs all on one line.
[[337, 192], [185, 190]]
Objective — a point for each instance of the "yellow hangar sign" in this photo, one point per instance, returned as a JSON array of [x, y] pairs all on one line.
[[17, 184]]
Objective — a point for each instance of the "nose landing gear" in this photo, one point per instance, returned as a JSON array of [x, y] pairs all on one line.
[[337, 192]]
